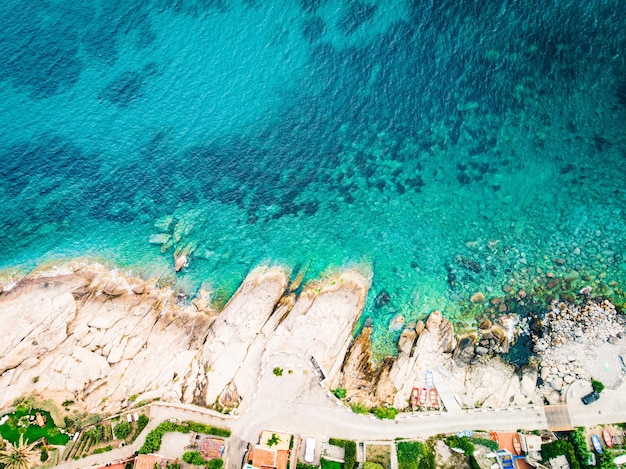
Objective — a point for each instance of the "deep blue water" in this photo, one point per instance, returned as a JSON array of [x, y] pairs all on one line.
[[448, 147]]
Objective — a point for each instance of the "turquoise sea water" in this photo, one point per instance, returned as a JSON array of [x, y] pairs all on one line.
[[448, 147]]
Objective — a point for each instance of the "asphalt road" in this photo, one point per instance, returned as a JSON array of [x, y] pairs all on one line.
[[297, 403]]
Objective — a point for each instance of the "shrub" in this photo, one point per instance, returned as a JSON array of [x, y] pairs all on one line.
[[216, 463], [359, 408], [327, 464], [409, 453], [427, 461], [102, 450], [385, 412], [492, 445], [372, 465], [122, 430], [340, 393], [278, 371], [194, 457], [44, 455], [557, 448], [154, 437], [301, 465], [597, 386], [463, 444], [349, 447]]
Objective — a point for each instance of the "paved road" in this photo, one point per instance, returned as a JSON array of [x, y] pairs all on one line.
[[297, 403]]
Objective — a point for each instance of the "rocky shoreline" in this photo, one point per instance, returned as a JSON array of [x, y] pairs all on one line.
[[89, 334]]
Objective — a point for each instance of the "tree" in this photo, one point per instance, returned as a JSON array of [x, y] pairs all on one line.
[[274, 440], [16, 456], [194, 457], [122, 430], [340, 393], [597, 386], [216, 463]]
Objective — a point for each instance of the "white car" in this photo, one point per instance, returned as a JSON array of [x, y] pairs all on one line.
[[309, 450]]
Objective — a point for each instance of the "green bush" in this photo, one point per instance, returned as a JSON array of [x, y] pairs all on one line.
[[385, 412], [372, 465], [359, 408], [409, 453], [581, 448], [154, 437], [102, 450], [492, 445], [463, 444], [194, 457], [606, 461], [277, 371], [473, 463], [427, 461], [340, 393], [44, 455], [122, 430], [557, 448], [216, 463], [349, 447], [597, 386], [301, 465]]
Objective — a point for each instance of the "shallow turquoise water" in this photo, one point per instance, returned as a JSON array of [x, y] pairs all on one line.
[[445, 147]]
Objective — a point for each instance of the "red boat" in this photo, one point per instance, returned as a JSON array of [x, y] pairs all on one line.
[[434, 399], [494, 437], [517, 444], [423, 395], [607, 437]]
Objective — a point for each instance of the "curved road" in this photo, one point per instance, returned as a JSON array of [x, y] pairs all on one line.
[[297, 403]]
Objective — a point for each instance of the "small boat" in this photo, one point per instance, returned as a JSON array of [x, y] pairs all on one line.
[[607, 437], [517, 444], [434, 399], [430, 380], [597, 445], [423, 395], [494, 437], [415, 397]]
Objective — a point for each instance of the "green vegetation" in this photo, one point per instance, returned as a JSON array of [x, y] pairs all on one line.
[[326, 464], [597, 386], [606, 461], [278, 371], [43, 457], [428, 460], [274, 440], [409, 453], [19, 424], [372, 465], [194, 457], [492, 445], [16, 456], [154, 438], [581, 448], [216, 463], [349, 447], [463, 444], [557, 448], [385, 412], [340, 393], [301, 465], [133, 397], [103, 449], [359, 408], [141, 424], [122, 430]]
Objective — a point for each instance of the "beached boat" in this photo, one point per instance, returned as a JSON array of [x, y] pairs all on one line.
[[434, 398], [494, 437], [423, 395], [430, 380], [597, 445], [517, 444], [607, 437]]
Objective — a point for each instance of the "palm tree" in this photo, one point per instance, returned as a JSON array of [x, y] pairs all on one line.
[[16, 456]]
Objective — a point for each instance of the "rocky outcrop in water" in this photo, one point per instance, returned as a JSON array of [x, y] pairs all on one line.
[[96, 337]]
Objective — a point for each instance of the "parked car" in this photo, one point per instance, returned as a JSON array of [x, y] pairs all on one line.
[[591, 397], [309, 450]]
